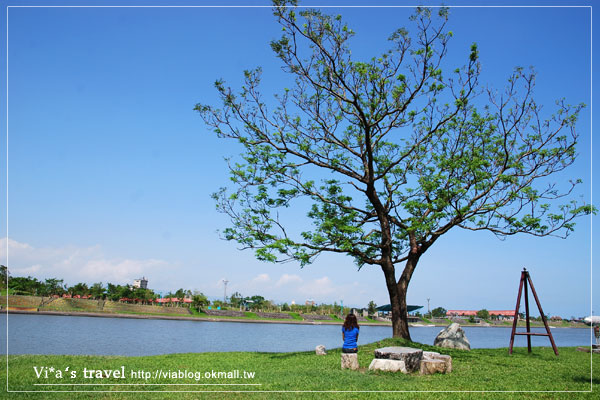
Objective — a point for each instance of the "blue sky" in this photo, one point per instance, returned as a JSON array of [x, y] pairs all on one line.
[[110, 170]]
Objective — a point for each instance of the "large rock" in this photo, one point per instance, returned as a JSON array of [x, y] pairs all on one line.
[[453, 337], [320, 350], [411, 357], [381, 364], [349, 360]]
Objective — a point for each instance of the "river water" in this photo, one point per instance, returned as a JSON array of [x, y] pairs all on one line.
[[49, 334]]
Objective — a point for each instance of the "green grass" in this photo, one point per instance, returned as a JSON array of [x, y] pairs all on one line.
[[296, 316], [248, 315], [71, 305], [477, 370]]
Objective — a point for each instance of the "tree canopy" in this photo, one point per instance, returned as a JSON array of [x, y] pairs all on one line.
[[392, 152]]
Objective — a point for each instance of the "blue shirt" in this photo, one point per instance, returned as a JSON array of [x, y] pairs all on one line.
[[350, 338]]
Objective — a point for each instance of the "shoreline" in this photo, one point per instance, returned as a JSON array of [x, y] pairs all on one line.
[[257, 321], [182, 318]]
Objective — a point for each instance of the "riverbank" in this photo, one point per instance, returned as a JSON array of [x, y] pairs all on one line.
[[282, 375], [243, 320], [183, 318]]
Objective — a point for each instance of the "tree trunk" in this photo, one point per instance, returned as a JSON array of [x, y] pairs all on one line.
[[397, 292]]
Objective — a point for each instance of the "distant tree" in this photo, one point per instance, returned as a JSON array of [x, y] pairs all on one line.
[[372, 308], [145, 295], [483, 314], [180, 295], [116, 292], [257, 302], [199, 300], [4, 275], [53, 286], [97, 290], [268, 305], [125, 291], [112, 291], [285, 307], [27, 286], [218, 303], [236, 299], [78, 289], [471, 319], [392, 152], [337, 309], [438, 312]]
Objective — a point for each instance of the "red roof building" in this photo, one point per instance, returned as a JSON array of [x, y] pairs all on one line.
[[173, 300], [468, 313]]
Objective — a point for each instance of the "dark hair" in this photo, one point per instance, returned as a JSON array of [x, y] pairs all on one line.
[[351, 322]]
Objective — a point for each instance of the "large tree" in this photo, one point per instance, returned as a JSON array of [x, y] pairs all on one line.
[[392, 153]]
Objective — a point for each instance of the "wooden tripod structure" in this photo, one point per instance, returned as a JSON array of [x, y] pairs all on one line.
[[525, 278]]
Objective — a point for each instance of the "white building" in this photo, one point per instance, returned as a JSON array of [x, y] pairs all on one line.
[[140, 283]]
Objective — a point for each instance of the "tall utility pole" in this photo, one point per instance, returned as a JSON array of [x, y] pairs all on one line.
[[225, 282], [428, 310]]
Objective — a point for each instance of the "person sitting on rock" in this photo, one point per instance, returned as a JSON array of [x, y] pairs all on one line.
[[350, 334]]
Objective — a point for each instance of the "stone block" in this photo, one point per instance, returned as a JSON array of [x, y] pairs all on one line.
[[349, 360], [411, 357], [380, 364], [447, 360], [430, 355], [320, 350], [431, 366]]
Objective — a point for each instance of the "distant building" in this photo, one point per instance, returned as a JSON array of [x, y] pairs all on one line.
[[141, 283], [502, 314], [310, 302]]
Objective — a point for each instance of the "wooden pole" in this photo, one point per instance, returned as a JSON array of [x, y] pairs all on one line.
[[542, 314], [516, 317], [525, 275]]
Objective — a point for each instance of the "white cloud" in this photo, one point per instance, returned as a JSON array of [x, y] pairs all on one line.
[[26, 271], [287, 279], [75, 264], [260, 279], [319, 288], [94, 264]]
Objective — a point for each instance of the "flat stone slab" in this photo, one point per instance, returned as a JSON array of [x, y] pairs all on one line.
[[350, 360], [430, 355], [380, 364], [411, 356]]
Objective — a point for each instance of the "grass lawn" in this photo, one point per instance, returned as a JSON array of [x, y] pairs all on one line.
[[477, 370]]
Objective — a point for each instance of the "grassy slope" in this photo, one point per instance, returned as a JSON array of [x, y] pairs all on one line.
[[478, 370], [81, 305]]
